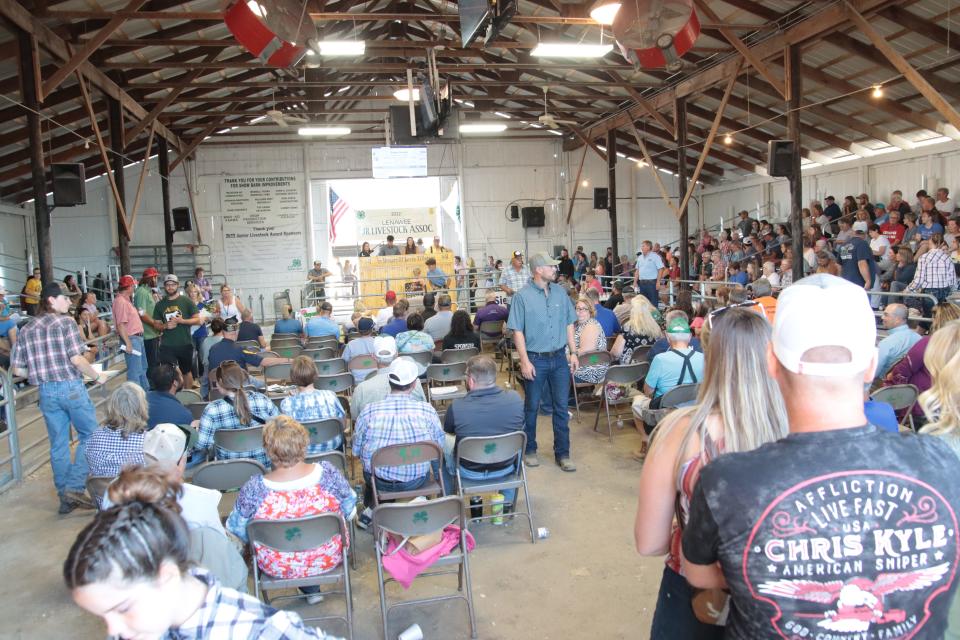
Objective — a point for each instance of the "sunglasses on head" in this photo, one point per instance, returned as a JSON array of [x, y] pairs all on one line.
[[752, 305]]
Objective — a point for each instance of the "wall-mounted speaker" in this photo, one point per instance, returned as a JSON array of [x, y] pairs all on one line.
[[69, 184], [601, 198], [780, 158], [181, 219], [533, 217], [514, 212]]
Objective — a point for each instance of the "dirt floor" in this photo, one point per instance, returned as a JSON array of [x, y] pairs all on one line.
[[584, 581]]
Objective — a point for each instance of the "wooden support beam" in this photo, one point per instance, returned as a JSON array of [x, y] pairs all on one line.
[[163, 166], [755, 61], [143, 174], [612, 191], [193, 205], [89, 46], [680, 117], [117, 177], [656, 174], [193, 144], [791, 60], [577, 132], [656, 115], [576, 185], [124, 228], [913, 76]]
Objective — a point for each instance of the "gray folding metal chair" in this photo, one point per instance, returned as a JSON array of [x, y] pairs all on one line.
[[422, 358], [590, 358], [902, 397], [249, 344], [455, 372], [330, 366], [286, 350], [188, 396], [496, 450], [337, 382], [197, 409], [402, 455], [97, 487], [298, 535], [323, 341], [448, 356], [364, 361], [226, 475], [276, 372], [624, 374], [320, 353], [323, 431], [417, 519], [239, 440], [680, 396], [284, 341], [491, 332], [640, 354]]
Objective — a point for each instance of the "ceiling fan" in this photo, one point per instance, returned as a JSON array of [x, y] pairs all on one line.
[[286, 119], [548, 119]]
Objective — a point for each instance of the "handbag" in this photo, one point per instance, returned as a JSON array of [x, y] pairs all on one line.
[[710, 606]]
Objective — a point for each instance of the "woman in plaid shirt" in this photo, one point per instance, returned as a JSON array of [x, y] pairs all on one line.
[[129, 566]]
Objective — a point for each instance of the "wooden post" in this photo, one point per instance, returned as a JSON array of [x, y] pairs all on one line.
[[116, 159], [576, 184], [28, 92], [680, 111], [163, 164], [612, 186], [795, 90]]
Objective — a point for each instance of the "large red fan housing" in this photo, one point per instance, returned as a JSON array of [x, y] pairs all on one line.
[[254, 33], [654, 34]]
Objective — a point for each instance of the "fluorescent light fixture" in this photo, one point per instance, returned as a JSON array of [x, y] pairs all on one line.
[[503, 115], [571, 50], [929, 141], [258, 119], [483, 127], [342, 47], [464, 102], [403, 95], [342, 89], [554, 132], [257, 8], [604, 11], [323, 131]]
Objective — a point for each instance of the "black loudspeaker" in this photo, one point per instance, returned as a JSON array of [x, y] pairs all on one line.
[[780, 158], [533, 217], [601, 198], [514, 212], [181, 219], [69, 184]]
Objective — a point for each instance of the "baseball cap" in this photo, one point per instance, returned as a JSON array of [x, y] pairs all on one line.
[[150, 272], [678, 325], [860, 226], [364, 324], [231, 324], [52, 290], [171, 277], [542, 259], [126, 281], [628, 291], [880, 205], [390, 295], [403, 371], [385, 348], [823, 300], [167, 442], [518, 254]]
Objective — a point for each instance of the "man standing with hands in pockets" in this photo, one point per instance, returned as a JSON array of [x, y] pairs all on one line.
[[177, 313], [50, 353], [542, 318]]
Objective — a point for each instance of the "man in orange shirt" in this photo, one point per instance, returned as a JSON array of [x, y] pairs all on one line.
[[762, 294]]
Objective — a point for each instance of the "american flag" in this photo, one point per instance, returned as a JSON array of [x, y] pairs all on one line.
[[338, 208]]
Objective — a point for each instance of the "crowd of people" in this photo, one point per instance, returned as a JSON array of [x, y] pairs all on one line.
[[786, 501]]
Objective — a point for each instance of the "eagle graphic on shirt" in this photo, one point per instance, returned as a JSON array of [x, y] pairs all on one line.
[[859, 601]]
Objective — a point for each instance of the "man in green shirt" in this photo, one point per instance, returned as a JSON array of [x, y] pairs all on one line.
[[177, 314], [144, 300]]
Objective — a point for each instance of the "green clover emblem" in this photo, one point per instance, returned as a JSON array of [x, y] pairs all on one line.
[[332, 383], [594, 359], [292, 533], [489, 448], [413, 453], [313, 431], [446, 371], [361, 214], [420, 516], [326, 367]]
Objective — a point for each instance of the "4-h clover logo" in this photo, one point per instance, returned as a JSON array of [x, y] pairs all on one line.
[[406, 451], [313, 430], [361, 214], [420, 516], [293, 532], [332, 383], [489, 448], [446, 371]]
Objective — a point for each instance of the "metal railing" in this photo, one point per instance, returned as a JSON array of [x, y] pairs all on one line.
[[11, 470]]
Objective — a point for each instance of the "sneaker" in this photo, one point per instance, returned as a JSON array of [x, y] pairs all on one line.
[[81, 499], [566, 464], [315, 598], [531, 459], [66, 505], [365, 520]]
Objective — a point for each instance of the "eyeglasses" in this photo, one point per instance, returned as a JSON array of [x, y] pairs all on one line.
[[583, 309], [752, 305]]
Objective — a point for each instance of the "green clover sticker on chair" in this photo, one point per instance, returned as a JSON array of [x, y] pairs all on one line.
[[326, 367], [446, 371], [594, 359], [332, 383], [420, 516], [313, 430], [292, 533], [489, 448]]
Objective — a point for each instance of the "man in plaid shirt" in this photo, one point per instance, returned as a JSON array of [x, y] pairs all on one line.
[[397, 419], [935, 273], [514, 278], [49, 352]]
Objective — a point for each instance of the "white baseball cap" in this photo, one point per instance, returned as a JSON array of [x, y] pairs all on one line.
[[860, 226], [168, 442], [824, 311], [385, 348], [403, 371]]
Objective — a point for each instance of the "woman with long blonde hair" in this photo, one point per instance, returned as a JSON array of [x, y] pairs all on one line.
[[739, 408], [641, 330]]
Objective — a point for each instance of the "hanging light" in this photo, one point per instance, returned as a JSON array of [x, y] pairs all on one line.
[[403, 95], [571, 50], [877, 91], [585, 184], [604, 11], [330, 48], [483, 127], [728, 139]]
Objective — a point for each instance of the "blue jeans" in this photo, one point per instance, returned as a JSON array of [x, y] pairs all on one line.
[[137, 365], [62, 403], [389, 485], [551, 387], [674, 617], [648, 288]]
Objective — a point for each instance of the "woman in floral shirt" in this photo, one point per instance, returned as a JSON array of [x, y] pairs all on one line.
[[294, 489]]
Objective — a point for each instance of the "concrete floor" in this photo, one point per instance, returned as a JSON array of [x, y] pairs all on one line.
[[584, 581]]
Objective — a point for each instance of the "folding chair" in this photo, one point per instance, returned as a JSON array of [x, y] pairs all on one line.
[[454, 372], [364, 361], [287, 351], [277, 401], [323, 431], [323, 341], [591, 358], [417, 519], [282, 341], [249, 344], [402, 455], [97, 487], [239, 440], [278, 372], [298, 535], [330, 366], [319, 353], [610, 341], [285, 336], [625, 374], [491, 333], [680, 396], [450, 356], [422, 358], [901, 397], [197, 409], [337, 382], [189, 396], [640, 354], [339, 460], [226, 475], [493, 450]]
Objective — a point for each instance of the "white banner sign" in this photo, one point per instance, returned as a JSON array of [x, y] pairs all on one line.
[[375, 225], [398, 162], [263, 224]]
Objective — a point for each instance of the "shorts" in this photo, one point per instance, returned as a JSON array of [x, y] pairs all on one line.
[[180, 355]]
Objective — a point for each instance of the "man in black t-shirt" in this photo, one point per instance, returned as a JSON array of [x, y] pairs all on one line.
[[839, 531]]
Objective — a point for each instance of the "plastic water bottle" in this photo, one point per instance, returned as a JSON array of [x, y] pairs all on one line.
[[496, 508]]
